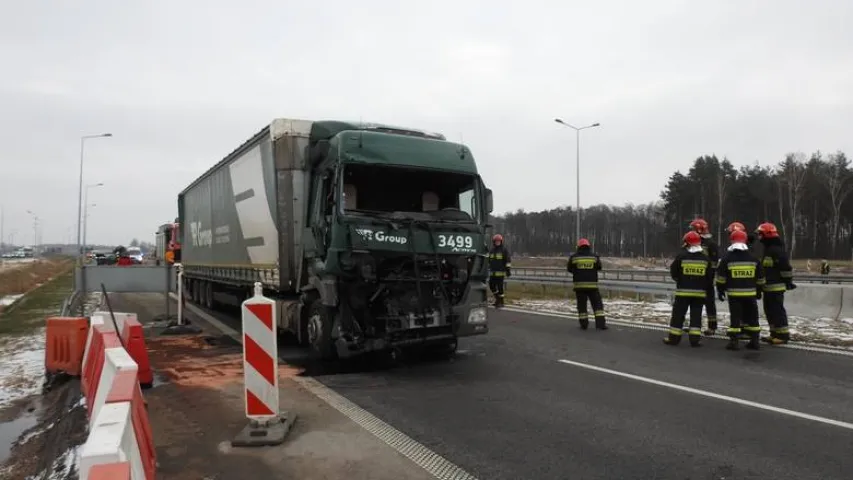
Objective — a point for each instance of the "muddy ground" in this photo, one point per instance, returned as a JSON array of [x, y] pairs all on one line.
[[45, 450]]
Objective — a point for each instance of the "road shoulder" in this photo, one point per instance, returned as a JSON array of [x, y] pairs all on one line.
[[196, 409]]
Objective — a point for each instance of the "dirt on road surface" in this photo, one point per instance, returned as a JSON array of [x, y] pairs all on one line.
[[196, 408]]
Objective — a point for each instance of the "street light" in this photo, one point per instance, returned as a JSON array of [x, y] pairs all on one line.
[[82, 247], [86, 223], [578, 174], [35, 231], [80, 188]]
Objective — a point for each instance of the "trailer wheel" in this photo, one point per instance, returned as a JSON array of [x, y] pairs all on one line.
[[319, 330]]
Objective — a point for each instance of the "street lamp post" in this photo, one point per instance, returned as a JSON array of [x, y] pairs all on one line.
[[35, 232], [86, 222], [578, 169], [80, 188], [86, 206]]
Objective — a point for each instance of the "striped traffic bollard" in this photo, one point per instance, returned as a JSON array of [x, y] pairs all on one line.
[[267, 424]]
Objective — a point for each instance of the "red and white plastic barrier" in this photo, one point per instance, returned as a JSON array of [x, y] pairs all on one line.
[[260, 357], [119, 444]]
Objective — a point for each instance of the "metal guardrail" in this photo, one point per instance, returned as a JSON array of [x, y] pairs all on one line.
[[657, 276]]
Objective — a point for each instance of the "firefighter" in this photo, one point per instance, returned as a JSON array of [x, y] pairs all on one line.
[[740, 276], [499, 267], [780, 278], [584, 265], [709, 248], [750, 238], [824, 269], [692, 272]]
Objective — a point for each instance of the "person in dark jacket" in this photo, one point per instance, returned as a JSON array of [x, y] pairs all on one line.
[[780, 278], [691, 271], [740, 276], [500, 265], [584, 266], [709, 247]]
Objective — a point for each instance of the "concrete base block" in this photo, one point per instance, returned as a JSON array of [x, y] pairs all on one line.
[[185, 329], [266, 434]]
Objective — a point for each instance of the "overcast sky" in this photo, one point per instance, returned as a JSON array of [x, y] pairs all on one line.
[[181, 84]]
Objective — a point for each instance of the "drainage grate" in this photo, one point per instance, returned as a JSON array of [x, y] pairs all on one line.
[[425, 458]]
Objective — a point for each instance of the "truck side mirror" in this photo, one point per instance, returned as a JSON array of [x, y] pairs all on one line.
[[489, 201]]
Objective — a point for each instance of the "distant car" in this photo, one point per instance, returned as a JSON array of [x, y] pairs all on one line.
[[104, 257], [135, 254]]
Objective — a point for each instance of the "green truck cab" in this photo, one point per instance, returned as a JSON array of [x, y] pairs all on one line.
[[379, 234]]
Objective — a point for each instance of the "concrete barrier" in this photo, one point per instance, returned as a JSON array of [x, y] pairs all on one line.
[[814, 301], [846, 304]]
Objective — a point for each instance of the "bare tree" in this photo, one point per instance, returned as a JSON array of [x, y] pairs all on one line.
[[839, 185], [793, 175]]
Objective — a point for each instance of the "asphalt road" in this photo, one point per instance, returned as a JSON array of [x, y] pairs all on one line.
[[507, 408]]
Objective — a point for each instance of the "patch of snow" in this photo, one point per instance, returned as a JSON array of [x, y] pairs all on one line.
[[9, 299], [22, 361], [21, 367], [816, 330]]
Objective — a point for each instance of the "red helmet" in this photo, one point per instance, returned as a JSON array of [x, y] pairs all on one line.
[[692, 239], [767, 230], [738, 236], [583, 243], [736, 226], [699, 226], [497, 238]]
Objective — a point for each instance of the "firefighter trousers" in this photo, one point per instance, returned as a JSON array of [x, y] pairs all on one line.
[[496, 285], [744, 318], [777, 316], [594, 297], [710, 307], [680, 307]]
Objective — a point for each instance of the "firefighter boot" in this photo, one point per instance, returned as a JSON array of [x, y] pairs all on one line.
[[712, 327], [673, 339], [499, 301], [733, 342], [753, 343], [777, 337], [695, 337], [583, 320]]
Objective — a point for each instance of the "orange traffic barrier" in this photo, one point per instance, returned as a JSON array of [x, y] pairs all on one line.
[[134, 341], [102, 338], [110, 471], [144, 437], [65, 344]]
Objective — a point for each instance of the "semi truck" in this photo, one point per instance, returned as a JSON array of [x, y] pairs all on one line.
[[369, 237]]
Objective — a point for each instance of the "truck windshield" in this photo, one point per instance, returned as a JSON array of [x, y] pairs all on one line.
[[428, 193]]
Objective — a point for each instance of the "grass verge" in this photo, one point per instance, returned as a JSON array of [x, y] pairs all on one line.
[[29, 312]]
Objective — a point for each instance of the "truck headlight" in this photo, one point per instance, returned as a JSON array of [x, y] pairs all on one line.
[[477, 316]]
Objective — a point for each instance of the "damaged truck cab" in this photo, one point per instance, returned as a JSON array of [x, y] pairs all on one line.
[[374, 237], [397, 249]]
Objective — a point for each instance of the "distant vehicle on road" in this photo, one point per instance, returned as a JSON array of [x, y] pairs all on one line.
[[135, 254], [371, 237]]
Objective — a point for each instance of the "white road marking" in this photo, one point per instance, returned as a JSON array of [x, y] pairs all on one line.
[[803, 346], [705, 393]]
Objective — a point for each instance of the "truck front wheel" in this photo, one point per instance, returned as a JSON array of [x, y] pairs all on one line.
[[319, 329]]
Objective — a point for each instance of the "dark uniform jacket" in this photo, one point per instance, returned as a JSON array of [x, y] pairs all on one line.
[[499, 261], [692, 273], [740, 274], [776, 265], [709, 248], [584, 266]]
